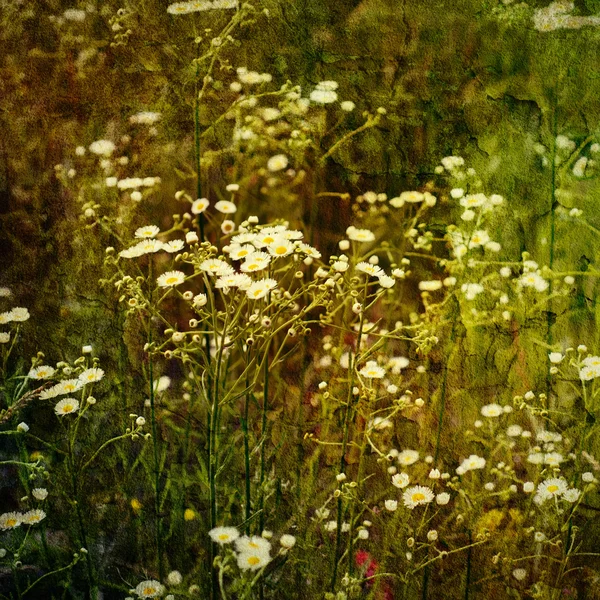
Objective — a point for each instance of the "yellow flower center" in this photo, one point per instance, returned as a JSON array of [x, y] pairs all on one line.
[[11, 522], [223, 537], [280, 250], [552, 488], [148, 590], [253, 560], [67, 408], [171, 280], [418, 497]]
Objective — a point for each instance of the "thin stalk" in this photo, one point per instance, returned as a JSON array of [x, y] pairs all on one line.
[[549, 334], [263, 434], [349, 406], [248, 507], [93, 587], [443, 388]]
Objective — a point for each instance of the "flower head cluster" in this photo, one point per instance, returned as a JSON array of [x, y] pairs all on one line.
[[12, 520], [555, 488], [184, 8], [16, 315], [470, 464], [325, 92], [590, 368]]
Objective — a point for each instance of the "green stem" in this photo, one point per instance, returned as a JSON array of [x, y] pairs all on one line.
[[248, 507], [155, 452]]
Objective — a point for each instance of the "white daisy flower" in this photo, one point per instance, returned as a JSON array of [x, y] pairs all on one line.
[[372, 370], [149, 231], [66, 406], [41, 372], [492, 410], [256, 262], [287, 541], [200, 205], [280, 247], [237, 280], [68, 386], [149, 246], [408, 457], [224, 535], [259, 289], [173, 246], [419, 494], [400, 480], [91, 375], [252, 544], [10, 520], [369, 269], [277, 163], [39, 493], [241, 252], [471, 463], [253, 560], [225, 207], [216, 266], [32, 517], [323, 96], [360, 235], [149, 589], [19, 314], [551, 488], [102, 147], [171, 279]]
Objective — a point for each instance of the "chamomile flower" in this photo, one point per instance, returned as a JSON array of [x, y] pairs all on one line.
[[32, 517], [41, 372], [535, 281], [417, 495], [551, 488], [400, 480], [149, 231], [66, 406], [236, 280], [39, 493], [252, 544], [102, 148], [492, 410], [91, 375], [171, 279], [280, 247], [408, 457], [277, 163], [253, 560], [149, 589], [225, 207], [241, 252], [216, 266], [470, 464], [256, 262], [10, 520], [224, 535], [321, 96], [19, 314], [200, 205], [68, 386], [369, 269], [360, 235], [173, 246], [259, 289], [372, 370]]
